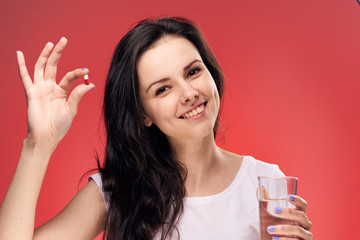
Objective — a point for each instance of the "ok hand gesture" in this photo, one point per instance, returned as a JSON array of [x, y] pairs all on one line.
[[50, 107]]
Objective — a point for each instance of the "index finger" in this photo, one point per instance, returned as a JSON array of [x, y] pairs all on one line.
[[298, 202], [51, 65]]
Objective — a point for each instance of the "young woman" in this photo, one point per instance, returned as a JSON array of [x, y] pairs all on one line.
[[163, 176]]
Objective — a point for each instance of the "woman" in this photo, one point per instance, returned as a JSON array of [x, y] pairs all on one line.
[[163, 177]]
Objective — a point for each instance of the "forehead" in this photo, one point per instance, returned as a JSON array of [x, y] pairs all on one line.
[[168, 56]]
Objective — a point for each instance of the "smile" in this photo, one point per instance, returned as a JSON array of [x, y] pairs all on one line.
[[194, 112]]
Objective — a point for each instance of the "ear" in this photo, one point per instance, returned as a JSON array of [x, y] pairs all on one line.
[[147, 121]]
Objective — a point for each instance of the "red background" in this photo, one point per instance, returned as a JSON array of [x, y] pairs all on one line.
[[291, 98]]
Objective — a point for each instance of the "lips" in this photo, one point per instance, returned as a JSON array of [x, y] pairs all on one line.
[[194, 112]]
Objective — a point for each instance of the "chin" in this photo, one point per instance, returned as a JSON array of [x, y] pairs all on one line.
[[202, 133]]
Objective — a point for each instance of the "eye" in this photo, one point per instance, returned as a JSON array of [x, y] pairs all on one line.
[[193, 72], [161, 90]]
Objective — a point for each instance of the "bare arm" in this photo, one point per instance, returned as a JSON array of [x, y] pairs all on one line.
[[50, 112], [83, 218]]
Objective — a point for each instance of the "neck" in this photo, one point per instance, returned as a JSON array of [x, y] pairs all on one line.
[[201, 158]]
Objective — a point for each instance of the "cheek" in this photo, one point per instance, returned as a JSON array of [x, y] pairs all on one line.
[[215, 96], [161, 111], [213, 90], [217, 103]]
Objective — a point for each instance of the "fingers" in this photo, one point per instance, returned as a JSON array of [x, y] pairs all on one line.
[[298, 214], [47, 62], [79, 91], [264, 194], [295, 232], [77, 94], [41, 62], [301, 230], [293, 214], [53, 60], [70, 78], [23, 73], [298, 202]]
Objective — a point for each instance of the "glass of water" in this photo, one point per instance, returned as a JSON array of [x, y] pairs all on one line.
[[274, 192]]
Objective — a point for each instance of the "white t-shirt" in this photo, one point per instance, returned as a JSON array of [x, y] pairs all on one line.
[[231, 214]]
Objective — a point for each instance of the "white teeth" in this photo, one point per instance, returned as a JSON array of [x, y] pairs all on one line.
[[194, 112]]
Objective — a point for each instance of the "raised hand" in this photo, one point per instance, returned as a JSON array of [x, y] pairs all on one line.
[[50, 111]]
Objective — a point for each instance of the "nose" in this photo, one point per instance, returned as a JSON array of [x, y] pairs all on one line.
[[188, 94]]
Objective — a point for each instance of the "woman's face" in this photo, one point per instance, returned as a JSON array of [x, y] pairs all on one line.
[[177, 91]]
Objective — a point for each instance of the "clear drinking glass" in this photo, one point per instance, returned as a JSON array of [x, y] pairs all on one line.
[[274, 192]]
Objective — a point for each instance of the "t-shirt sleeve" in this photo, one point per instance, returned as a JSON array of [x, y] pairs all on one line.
[[276, 171], [260, 168], [97, 179]]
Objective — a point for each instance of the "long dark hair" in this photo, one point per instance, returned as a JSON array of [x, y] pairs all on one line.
[[143, 179]]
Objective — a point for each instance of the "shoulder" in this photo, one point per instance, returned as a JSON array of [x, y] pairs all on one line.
[[260, 168], [232, 160], [252, 166], [105, 195]]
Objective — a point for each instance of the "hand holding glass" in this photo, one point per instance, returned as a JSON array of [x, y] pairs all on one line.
[[274, 193]]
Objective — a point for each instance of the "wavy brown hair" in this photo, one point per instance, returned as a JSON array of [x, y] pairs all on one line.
[[143, 179]]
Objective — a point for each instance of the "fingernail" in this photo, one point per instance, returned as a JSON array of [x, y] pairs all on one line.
[[275, 238], [271, 229], [92, 88], [278, 210], [292, 197], [84, 69]]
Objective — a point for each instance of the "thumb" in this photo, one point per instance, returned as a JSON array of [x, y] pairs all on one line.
[[77, 94], [263, 195]]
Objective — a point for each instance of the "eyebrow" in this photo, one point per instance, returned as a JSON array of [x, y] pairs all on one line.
[[166, 79]]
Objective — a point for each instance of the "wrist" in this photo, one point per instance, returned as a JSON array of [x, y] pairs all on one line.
[[43, 144]]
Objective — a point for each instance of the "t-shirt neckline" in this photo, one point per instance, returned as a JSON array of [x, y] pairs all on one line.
[[225, 192]]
